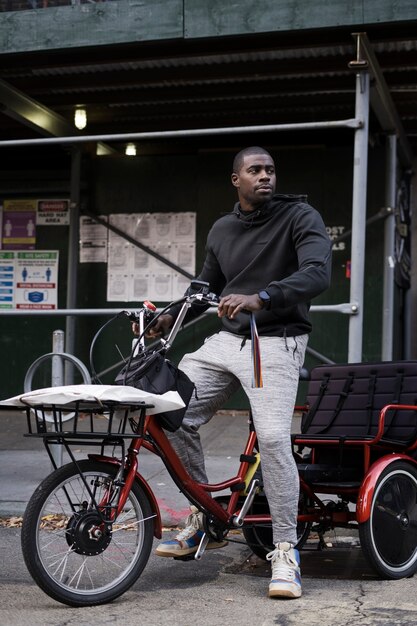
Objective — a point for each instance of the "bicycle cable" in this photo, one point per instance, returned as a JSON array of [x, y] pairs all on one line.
[[94, 377]]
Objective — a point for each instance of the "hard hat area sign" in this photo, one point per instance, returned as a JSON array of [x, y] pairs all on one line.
[[53, 212]]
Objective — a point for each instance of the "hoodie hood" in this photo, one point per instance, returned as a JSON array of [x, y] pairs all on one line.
[[263, 213]]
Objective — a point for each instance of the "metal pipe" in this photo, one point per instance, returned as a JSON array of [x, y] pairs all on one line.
[[73, 239], [382, 102], [381, 215], [57, 379], [360, 167], [175, 134], [58, 339], [389, 250], [348, 308], [319, 356]]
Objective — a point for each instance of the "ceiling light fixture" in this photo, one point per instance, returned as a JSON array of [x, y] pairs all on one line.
[[80, 118], [130, 149]]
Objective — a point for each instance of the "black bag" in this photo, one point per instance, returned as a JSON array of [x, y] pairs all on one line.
[[155, 374]]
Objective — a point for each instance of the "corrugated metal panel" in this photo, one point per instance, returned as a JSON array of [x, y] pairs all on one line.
[[146, 88]]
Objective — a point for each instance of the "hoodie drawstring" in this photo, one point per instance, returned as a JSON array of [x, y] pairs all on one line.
[[285, 339]]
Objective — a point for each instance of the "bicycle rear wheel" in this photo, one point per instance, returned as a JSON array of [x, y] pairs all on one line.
[[69, 552], [389, 537]]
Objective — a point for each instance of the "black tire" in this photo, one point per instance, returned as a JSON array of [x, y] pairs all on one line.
[[389, 537], [62, 556], [259, 537]]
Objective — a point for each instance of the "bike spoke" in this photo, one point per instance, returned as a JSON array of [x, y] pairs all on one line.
[[72, 555], [132, 524]]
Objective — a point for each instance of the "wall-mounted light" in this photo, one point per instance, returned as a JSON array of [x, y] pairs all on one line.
[[130, 149], [80, 118]]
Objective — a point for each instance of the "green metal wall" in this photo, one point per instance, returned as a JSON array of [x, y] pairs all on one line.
[[200, 182]]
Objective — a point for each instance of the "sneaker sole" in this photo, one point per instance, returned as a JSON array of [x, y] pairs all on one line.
[[187, 551], [284, 593]]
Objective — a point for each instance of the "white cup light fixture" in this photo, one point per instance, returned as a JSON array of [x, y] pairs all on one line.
[[130, 149], [80, 118]]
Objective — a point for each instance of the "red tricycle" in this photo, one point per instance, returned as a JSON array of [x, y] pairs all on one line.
[[88, 529]]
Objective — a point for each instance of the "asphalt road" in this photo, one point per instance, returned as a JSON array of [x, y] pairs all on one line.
[[226, 587]]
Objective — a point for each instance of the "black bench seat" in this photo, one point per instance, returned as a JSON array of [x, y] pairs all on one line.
[[346, 404], [356, 413]]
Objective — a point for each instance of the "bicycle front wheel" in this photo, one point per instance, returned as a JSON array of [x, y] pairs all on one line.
[[69, 552]]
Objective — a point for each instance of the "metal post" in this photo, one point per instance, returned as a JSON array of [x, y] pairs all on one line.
[[73, 240], [360, 167], [389, 242], [57, 381], [57, 363]]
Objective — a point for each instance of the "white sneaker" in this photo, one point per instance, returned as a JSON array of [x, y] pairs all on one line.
[[286, 576], [188, 539]]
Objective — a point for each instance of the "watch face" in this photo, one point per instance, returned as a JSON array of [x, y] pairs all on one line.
[[265, 297]]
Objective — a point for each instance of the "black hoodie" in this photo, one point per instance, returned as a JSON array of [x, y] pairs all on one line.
[[282, 247]]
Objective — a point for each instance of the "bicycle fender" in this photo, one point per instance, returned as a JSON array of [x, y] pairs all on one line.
[[367, 489], [146, 488]]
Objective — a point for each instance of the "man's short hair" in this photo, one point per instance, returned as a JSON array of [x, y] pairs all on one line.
[[238, 160]]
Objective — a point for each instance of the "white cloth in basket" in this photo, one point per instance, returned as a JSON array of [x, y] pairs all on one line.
[[169, 401]]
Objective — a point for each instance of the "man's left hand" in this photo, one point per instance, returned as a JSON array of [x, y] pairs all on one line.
[[232, 304]]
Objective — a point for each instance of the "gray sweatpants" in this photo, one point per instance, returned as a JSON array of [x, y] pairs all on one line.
[[218, 368]]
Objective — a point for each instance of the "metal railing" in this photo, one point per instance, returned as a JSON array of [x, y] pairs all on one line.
[[25, 5], [59, 357]]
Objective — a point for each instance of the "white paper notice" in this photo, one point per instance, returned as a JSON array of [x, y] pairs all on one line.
[[133, 273], [93, 240]]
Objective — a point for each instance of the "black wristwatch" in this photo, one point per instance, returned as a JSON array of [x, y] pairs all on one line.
[[266, 299]]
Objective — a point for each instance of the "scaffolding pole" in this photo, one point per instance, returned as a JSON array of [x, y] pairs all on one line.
[[176, 134], [73, 258], [389, 253], [360, 170]]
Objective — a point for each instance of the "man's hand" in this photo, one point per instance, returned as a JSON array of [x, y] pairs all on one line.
[[161, 327], [231, 305]]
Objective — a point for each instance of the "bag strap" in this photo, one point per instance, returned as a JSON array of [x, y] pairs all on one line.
[[342, 399], [370, 403], [313, 410], [256, 354], [395, 399]]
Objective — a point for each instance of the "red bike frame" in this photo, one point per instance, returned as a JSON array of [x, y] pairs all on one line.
[[200, 493], [197, 493]]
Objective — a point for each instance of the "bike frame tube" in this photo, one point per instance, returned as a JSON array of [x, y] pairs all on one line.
[[243, 468], [196, 492], [132, 475]]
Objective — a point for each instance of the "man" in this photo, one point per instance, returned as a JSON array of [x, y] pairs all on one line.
[[268, 257]]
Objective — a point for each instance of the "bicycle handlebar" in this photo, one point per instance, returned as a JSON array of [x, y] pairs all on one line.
[[204, 298], [148, 314]]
